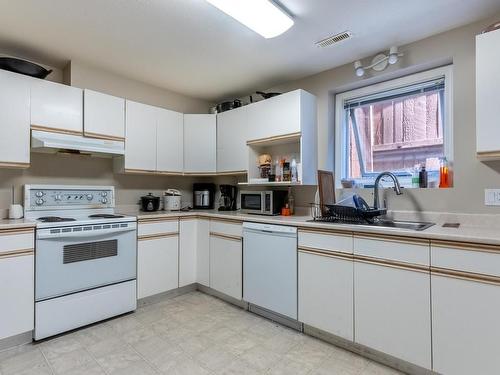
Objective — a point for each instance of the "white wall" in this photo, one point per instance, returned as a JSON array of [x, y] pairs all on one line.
[[471, 176]]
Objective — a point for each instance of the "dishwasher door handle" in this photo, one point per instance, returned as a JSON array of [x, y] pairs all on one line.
[[265, 232]]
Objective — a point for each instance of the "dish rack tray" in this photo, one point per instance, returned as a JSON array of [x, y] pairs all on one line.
[[347, 214]]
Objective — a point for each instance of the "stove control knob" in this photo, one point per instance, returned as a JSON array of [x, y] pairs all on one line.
[[90, 197], [39, 194], [58, 197], [39, 202], [104, 194], [104, 200], [81, 197]]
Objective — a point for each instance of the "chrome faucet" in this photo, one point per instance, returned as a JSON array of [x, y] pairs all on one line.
[[397, 188]]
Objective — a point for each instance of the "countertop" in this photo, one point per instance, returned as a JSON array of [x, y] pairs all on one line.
[[16, 224], [473, 228]]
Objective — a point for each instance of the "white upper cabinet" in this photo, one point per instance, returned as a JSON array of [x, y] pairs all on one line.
[[232, 136], [487, 94], [200, 143], [103, 116], [140, 143], [14, 120], [169, 141], [56, 107], [281, 115]]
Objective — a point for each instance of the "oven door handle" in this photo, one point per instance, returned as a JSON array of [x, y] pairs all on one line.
[[46, 234]]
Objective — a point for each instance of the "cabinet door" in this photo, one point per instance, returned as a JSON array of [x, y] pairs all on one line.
[[392, 311], [487, 95], [140, 142], [232, 136], [56, 107], [169, 141], [226, 266], [326, 293], [14, 120], [275, 116], [188, 240], [104, 116], [157, 265], [17, 295], [200, 143], [465, 327], [203, 252]]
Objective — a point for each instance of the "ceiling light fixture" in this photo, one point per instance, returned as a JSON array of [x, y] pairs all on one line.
[[379, 62], [262, 16]]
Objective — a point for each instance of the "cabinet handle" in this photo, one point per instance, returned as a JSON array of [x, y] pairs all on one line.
[[16, 253], [226, 236], [156, 236]]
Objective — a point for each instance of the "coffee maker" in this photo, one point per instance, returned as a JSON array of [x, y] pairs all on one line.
[[227, 201], [203, 196]]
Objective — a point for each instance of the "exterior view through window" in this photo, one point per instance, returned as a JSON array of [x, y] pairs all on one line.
[[396, 130]]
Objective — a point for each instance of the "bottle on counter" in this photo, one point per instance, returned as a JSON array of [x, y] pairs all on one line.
[[444, 174], [291, 201], [423, 177]]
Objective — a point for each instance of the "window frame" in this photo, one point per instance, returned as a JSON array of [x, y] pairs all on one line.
[[341, 130]]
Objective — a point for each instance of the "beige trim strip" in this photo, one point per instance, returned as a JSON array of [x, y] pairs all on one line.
[[191, 217], [103, 136], [157, 236], [16, 253], [55, 130], [325, 231], [139, 171], [226, 236], [274, 139], [169, 173], [466, 246], [228, 220], [200, 173], [326, 253], [463, 275], [488, 154], [230, 173], [392, 264], [391, 238], [157, 219], [11, 164], [13, 231]]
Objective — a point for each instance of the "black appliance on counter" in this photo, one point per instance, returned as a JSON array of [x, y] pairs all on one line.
[[150, 203], [203, 196], [227, 201]]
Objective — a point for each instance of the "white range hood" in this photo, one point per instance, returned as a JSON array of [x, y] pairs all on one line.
[[48, 142]]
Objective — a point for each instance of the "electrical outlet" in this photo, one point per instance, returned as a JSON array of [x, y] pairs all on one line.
[[492, 197]]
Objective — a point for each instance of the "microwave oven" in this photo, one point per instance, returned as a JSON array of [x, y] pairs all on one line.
[[268, 202]]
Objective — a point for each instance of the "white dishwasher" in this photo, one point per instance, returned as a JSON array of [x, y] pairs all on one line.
[[270, 267]]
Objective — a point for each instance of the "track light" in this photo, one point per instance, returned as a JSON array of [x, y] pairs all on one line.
[[358, 67], [379, 62]]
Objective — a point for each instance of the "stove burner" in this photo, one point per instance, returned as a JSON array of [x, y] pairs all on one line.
[[54, 219], [105, 216]]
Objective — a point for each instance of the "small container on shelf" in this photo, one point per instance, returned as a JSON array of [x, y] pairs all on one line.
[[444, 174]]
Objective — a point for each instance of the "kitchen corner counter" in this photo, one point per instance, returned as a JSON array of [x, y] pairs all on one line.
[[476, 230], [16, 224]]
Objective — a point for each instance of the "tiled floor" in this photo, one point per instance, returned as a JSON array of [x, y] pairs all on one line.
[[191, 334]]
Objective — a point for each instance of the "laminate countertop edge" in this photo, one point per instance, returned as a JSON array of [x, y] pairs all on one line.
[[466, 234]]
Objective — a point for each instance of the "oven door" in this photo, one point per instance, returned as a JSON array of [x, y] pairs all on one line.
[[81, 259], [251, 201]]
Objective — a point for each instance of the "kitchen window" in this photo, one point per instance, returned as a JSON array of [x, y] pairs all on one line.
[[395, 126]]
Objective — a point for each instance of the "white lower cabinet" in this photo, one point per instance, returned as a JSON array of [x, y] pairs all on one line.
[[465, 328], [226, 268], [188, 242], [203, 252], [326, 293], [392, 311], [17, 295], [157, 265]]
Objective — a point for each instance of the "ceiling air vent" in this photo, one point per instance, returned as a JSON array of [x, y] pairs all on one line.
[[334, 39]]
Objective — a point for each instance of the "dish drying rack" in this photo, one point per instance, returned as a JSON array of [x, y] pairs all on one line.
[[345, 214]]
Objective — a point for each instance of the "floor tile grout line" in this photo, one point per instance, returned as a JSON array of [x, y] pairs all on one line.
[[95, 359], [47, 361]]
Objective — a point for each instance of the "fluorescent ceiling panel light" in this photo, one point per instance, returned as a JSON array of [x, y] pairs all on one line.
[[262, 16]]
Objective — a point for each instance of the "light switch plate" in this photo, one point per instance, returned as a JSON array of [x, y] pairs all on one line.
[[492, 197]]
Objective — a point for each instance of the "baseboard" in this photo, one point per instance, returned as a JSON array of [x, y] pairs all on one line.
[[275, 317], [166, 295], [10, 342], [222, 296], [364, 351]]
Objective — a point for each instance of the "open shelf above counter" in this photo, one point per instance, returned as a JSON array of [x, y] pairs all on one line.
[[268, 183]]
